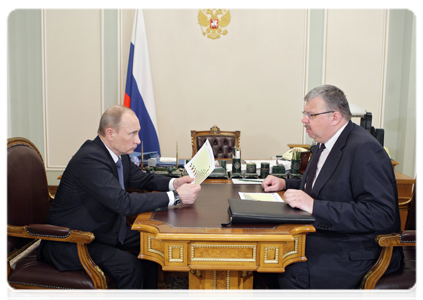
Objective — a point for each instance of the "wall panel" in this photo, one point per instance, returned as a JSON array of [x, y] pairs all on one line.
[[72, 81], [355, 57]]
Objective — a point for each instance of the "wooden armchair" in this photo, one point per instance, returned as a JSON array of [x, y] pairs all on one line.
[[405, 277], [221, 142], [28, 203]]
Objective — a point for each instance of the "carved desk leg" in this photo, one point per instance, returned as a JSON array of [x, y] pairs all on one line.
[[212, 279]]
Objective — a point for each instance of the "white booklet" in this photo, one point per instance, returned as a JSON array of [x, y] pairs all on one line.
[[261, 196], [202, 164]]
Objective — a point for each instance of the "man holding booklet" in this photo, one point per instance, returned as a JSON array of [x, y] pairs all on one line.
[[92, 197], [350, 189]]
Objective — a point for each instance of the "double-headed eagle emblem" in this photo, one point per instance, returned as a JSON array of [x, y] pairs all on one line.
[[211, 24]]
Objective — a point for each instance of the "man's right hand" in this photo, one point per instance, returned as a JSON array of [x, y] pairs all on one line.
[[188, 192], [182, 180]]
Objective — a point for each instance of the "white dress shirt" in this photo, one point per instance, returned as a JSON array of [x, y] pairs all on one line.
[[328, 147]]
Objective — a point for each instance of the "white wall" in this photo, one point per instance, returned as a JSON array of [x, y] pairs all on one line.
[[72, 81]]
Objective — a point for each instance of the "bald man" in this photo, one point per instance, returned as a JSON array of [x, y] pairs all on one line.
[[92, 197]]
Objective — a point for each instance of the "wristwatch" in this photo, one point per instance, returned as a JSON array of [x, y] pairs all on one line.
[[177, 198]]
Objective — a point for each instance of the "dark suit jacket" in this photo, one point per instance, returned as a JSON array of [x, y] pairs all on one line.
[[90, 197], [355, 200]]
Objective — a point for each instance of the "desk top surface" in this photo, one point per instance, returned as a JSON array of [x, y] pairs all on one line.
[[208, 213]]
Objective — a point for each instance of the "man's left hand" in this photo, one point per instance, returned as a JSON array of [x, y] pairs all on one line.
[[299, 199]]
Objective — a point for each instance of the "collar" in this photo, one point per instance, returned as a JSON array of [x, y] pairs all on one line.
[[329, 144], [114, 156]]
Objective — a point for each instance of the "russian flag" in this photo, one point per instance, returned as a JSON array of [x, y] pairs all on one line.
[[139, 95]]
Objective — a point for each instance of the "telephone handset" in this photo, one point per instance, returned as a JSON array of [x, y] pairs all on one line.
[[288, 155]]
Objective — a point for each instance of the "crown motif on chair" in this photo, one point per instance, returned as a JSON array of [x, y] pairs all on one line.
[[215, 130]]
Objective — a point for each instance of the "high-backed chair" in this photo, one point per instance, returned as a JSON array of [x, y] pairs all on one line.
[[405, 277], [221, 142], [28, 203]]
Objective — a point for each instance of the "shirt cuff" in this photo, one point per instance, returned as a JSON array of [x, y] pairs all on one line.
[[171, 198], [171, 187]]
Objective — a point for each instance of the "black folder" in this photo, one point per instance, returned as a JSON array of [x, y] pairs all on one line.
[[259, 212]]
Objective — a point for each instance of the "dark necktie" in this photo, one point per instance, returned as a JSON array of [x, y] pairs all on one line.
[[122, 227], [120, 172], [313, 169]]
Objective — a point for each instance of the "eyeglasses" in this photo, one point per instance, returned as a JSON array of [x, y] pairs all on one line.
[[310, 116]]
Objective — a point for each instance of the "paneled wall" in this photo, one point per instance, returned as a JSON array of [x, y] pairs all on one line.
[[357, 64], [72, 81], [252, 79]]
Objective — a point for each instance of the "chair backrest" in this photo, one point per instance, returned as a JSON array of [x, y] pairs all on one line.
[[221, 142], [28, 198], [413, 218]]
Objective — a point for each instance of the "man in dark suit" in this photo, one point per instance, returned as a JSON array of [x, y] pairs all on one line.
[[92, 197], [353, 197]]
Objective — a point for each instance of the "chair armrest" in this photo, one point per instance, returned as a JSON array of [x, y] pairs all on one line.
[[387, 242], [64, 234], [48, 230], [408, 238], [50, 233], [404, 238]]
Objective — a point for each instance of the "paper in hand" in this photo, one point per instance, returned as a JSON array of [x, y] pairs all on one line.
[[202, 164]]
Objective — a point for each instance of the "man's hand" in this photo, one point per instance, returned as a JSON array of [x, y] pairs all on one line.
[[187, 191], [299, 199], [182, 180], [273, 184]]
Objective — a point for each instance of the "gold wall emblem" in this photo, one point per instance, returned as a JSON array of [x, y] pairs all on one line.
[[213, 22]]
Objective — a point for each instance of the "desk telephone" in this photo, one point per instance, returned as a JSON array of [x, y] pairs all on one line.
[[288, 154]]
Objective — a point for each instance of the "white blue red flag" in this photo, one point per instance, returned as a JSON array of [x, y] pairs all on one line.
[[139, 95]]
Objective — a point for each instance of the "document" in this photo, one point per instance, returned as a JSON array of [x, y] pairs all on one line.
[[246, 181], [273, 197], [202, 164]]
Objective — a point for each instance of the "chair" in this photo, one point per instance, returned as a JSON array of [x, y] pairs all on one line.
[[405, 277], [28, 203], [221, 142]]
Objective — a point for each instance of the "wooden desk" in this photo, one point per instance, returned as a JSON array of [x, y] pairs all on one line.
[[190, 238]]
